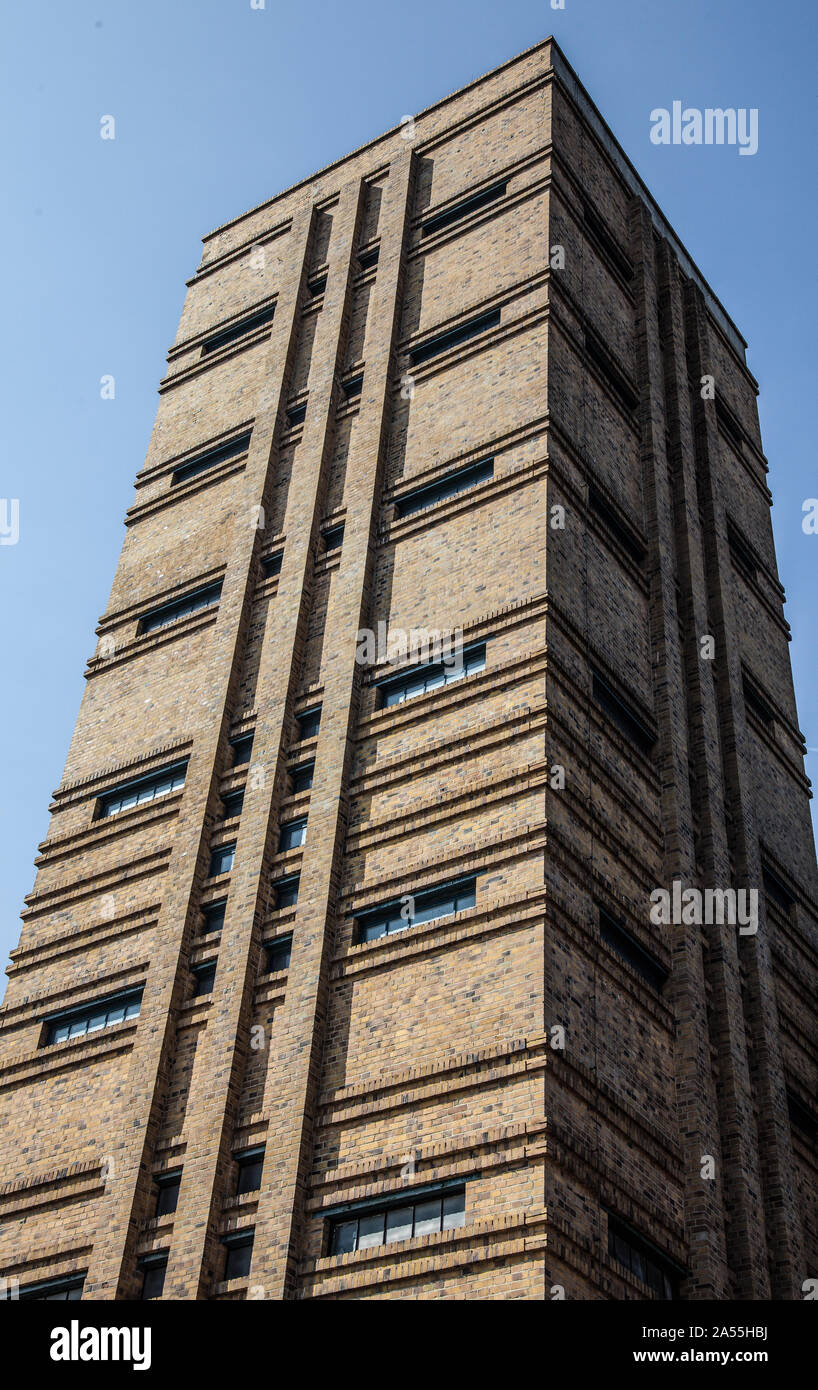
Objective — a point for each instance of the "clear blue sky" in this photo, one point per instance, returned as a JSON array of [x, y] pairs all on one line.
[[217, 107]]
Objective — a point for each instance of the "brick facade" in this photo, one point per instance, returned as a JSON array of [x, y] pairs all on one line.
[[520, 1048]]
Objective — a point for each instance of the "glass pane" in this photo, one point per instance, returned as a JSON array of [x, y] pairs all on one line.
[[370, 931], [154, 1282], [97, 1020], [77, 1027], [427, 1217], [168, 1198], [238, 1261], [370, 1231], [61, 1033], [415, 687], [74, 1293], [435, 679], [399, 1223], [454, 1211], [434, 907], [250, 1175], [344, 1237], [116, 1013], [638, 1265]]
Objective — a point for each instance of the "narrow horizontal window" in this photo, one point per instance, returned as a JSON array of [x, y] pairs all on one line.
[[242, 749], [239, 1255], [756, 705], [607, 243], [729, 424], [271, 564], [318, 286], [367, 259], [293, 834], [626, 718], [204, 977], [239, 330], [334, 538], [621, 941], [741, 553], [423, 1213], [277, 953], [167, 1196], [211, 458], [213, 917], [353, 387], [308, 723], [233, 803], [153, 1274], [453, 337], [777, 890], [616, 379], [301, 777], [170, 613], [643, 1259], [474, 203], [450, 486], [801, 1118], [222, 859], [423, 679], [141, 790], [66, 1290], [286, 890], [250, 1163], [92, 1018], [611, 521], [297, 414], [413, 908]]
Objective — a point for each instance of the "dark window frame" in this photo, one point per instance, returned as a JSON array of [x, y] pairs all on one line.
[[453, 484], [454, 337], [222, 851], [622, 714], [175, 773], [429, 675], [389, 914], [473, 202], [625, 945], [354, 1213], [195, 601], [225, 336], [109, 1003], [211, 458]]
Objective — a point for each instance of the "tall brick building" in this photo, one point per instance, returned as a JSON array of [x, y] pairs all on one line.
[[339, 977]]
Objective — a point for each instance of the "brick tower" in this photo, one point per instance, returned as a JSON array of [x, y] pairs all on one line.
[[446, 630]]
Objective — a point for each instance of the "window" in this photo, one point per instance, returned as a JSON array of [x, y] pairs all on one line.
[[450, 486], [242, 749], [643, 1259], [271, 564], [367, 259], [453, 337], [297, 414], [239, 1253], [170, 613], [801, 1118], [64, 1290], [139, 790], [607, 243], [333, 538], [756, 705], [621, 941], [777, 890], [411, 909], [293, 834], [239, 330], [213, 916], [318, 286], [626, 719], [741, 553], [308, 723], [221, 860], [203, 462], [366, 1225], [153, 1280], [422, 679], [167, 1196], [616, 379], [286, 890], [250, 1162], [353, 387], [232, 803], [439, 220], [91, 1018], [278, 953], [203, 978], [301, 777], [611, 521], [729, 424]]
